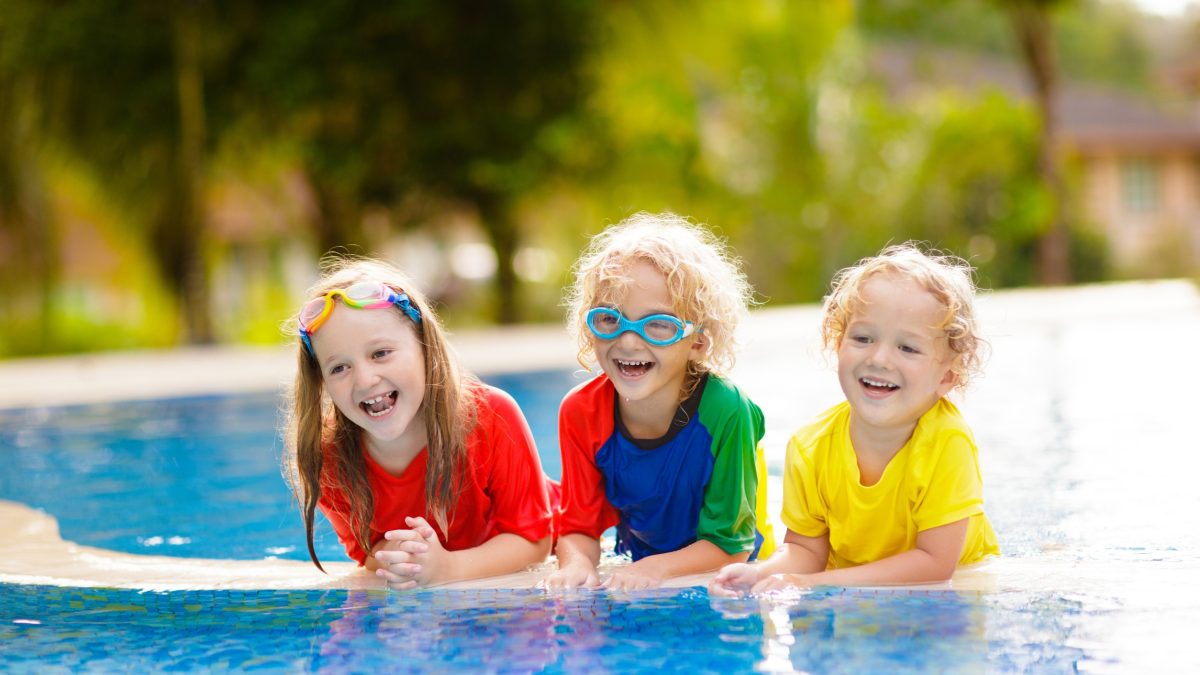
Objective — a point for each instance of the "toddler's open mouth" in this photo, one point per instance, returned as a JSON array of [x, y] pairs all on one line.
[[380, 405], [878, 386]]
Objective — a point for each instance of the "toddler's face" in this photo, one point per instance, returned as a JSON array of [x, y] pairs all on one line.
[[639, 370], [893, 360], [373, 367]]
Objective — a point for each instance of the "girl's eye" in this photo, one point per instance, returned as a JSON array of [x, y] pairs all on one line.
[[861, 339], [337, 369], [909, 350], [380, 353]]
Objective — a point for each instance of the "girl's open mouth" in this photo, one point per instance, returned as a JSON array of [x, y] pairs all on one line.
[[380, 405]]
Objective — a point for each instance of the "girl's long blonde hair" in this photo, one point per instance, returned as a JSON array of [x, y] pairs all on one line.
[[313, 422]]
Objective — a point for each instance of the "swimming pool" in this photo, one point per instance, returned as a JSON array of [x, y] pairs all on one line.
[[1087, 453]]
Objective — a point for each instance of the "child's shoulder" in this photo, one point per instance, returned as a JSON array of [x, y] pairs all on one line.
[[941, 422], [828, 423], [721, 397], [589, 395]]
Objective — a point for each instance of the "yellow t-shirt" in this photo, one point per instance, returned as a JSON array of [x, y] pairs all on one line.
[[934, 480]]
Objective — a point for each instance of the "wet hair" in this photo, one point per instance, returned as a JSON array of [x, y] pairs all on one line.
[[317, 431], [706, 283], [948, 278]]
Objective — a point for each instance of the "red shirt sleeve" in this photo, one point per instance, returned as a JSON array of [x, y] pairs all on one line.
[[585, 422], [515, 482]]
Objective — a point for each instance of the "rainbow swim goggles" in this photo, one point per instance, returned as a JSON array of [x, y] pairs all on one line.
[[363, 295], [659, 330]]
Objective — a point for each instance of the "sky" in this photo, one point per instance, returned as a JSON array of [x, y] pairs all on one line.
[[1169, 7]]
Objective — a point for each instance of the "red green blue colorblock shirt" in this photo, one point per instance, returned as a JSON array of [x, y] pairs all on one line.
[[696, 482]]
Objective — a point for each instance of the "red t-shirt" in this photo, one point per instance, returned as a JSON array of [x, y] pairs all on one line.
[[504, 491]]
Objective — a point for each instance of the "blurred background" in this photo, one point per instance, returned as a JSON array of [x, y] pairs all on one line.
[[172, 171]]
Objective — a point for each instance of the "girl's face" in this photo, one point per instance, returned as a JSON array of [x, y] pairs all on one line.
[[640, 371], [893, 360], [373, 367]]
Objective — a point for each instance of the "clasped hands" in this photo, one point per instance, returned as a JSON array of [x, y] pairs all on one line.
[[412, 557]]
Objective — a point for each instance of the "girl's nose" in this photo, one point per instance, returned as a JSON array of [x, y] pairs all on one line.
[[878, 356], [364, 376]]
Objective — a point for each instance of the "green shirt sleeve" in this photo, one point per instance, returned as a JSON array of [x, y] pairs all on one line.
[[736, 426]]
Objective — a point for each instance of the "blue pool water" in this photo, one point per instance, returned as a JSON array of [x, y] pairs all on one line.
[[521, 631]]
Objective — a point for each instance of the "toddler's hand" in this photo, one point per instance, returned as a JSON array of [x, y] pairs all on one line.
[[779, 582], [412, 557], [734, 580], [573, 576]]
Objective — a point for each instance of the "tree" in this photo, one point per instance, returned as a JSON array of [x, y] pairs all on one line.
[[444, 99], [1034, 31], [122, 88]]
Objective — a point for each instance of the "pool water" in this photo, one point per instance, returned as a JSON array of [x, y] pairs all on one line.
[[1084, 420], [529, 631]]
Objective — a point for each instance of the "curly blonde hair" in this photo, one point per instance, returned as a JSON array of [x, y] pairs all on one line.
[[949, 278], [705, 280], [313, 423]]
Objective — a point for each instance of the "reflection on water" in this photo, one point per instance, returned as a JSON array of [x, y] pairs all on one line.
[[529, 631]]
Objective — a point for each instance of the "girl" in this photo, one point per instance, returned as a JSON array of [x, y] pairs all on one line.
[[426, 474], [885, 488], [658, 444]]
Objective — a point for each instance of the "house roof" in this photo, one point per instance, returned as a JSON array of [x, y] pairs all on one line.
[[1090, 116]]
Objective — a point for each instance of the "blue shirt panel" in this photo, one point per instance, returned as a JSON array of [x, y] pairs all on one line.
[[658, 492]]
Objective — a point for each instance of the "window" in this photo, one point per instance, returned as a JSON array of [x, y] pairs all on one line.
[[1139, 186]]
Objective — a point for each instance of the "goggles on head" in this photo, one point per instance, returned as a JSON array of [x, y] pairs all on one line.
[[659, 330], [363, 295]]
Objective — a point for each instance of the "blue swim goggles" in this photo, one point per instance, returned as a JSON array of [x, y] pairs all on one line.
[[659, 330]]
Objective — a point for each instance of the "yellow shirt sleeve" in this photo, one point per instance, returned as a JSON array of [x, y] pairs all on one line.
[[804, 510], [953, 487]]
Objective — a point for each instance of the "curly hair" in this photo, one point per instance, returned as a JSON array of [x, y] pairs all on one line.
[[706, 283], [313, 424], [949, 278]]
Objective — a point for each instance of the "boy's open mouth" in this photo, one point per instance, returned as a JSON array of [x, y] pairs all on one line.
[[380, 405], [878, 386], [633, 368]]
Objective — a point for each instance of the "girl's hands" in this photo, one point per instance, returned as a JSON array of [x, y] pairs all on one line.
[[734, 580], [413, 557]]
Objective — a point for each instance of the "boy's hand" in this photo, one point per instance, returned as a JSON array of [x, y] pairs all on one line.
[[573, 576], [636, 576], [413, 557], [734, 580]]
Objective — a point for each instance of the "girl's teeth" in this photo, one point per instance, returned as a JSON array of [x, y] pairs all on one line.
[[875, 383]]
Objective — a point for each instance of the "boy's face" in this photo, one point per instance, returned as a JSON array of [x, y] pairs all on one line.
[[650, 376], [373, 367], [893, 360]]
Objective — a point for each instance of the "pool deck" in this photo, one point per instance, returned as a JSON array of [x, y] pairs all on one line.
[[31, 551]]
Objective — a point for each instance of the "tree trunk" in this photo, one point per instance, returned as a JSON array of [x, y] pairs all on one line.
[[180, 228], [504, 238], [1035, 35]]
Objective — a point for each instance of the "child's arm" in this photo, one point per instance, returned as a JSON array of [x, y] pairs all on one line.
[[934, 559], [578, 555], [651, 571], [415, 557], [798, 555]]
